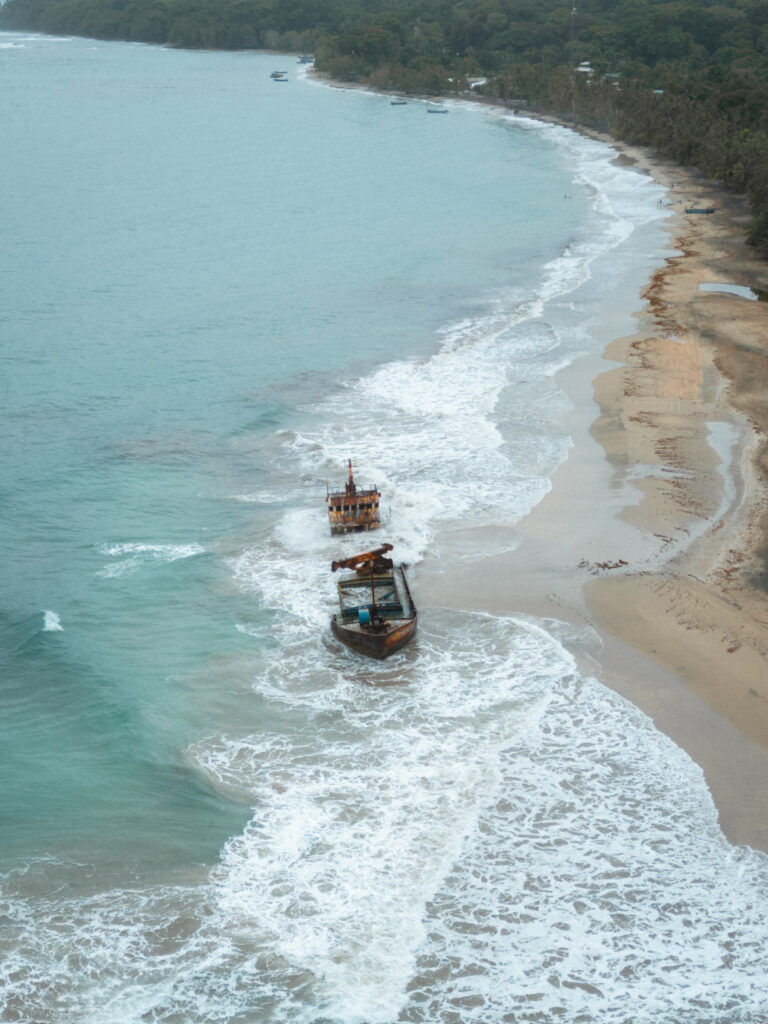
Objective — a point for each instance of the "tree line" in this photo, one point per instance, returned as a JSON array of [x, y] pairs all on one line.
[[687, 77]]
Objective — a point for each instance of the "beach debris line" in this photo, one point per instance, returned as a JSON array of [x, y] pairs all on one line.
[[598, 567], [353, 509], [377, 615]]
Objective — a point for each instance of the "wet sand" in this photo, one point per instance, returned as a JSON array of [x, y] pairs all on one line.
[[656, 527], [655, 532], [687, 410]]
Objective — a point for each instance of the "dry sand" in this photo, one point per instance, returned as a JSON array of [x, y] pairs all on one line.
[[656, 528], [688, 408]]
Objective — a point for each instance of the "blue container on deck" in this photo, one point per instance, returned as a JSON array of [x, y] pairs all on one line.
[[364, 616]]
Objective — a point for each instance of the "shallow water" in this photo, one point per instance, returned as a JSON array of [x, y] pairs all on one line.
[[222, 289]]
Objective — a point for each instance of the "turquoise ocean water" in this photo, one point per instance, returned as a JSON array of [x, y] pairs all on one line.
[[215, 289]]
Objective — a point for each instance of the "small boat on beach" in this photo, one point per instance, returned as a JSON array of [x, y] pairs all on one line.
[[700, 209], [353, 509], [376, 614]]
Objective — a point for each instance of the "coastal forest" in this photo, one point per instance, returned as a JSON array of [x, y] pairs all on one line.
[[686, 77]]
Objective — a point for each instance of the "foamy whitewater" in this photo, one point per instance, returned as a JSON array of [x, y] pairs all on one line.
[[470, 831]]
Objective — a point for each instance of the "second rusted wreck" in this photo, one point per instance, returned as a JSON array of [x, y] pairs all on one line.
[[353, 509], [376, 615]]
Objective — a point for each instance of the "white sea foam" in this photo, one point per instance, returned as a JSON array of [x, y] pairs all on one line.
[[51, 622], [494, 837], [580, 893], [479, 830], [427, 432], [469, 831], [620, 193], [261, 498], [432, 433], [140, 555], [499, 834]]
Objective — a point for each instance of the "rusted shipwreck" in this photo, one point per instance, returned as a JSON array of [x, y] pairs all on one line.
[[376, 614], [353, 509]]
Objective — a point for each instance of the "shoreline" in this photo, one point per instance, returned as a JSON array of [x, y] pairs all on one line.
[[684, 409], [681, 430], [676, 585]]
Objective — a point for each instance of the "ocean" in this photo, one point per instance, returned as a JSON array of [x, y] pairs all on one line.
[[217, 288]]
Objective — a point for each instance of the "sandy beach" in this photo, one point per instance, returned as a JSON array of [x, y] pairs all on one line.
[[655, 530], [686, 410]]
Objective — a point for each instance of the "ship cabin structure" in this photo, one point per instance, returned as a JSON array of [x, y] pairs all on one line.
[[354, 509]]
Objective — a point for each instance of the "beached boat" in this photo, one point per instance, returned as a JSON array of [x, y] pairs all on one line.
[[700, 209], [376, 614], [353, 509]]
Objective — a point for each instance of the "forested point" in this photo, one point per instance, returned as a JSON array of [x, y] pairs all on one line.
[[688, 78]]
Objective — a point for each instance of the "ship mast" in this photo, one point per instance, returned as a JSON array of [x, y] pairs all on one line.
[[350, 488]]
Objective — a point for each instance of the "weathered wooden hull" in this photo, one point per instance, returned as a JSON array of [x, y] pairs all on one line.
[[380, 644]]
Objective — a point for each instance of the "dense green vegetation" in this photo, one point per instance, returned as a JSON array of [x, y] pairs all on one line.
[[688, 77]]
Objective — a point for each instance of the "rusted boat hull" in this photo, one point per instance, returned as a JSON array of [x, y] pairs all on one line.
[[352, 524], [379, 645], [376, 614], [353, 512]]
